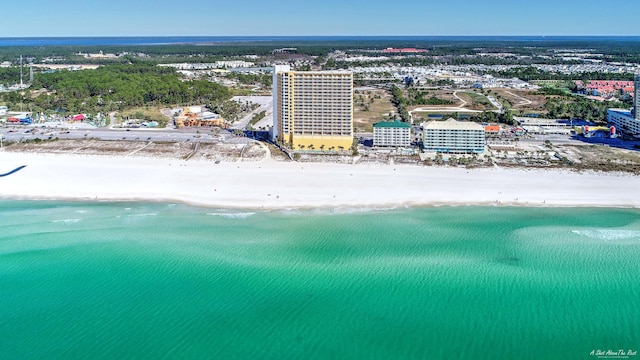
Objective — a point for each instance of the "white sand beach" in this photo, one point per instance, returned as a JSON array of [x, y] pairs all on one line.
[[281, 185]]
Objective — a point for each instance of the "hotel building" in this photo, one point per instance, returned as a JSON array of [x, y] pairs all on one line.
[[624, 122], [452, 136], [391, 134], [636, 96], [627, 123], [312, 110]]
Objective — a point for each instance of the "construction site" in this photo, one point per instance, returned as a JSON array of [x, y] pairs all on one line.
[[198, 116]]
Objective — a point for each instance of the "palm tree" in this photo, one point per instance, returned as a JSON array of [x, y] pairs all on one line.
[[438, 158]]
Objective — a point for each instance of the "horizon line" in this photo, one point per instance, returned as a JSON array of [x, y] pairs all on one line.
[[315, 35]]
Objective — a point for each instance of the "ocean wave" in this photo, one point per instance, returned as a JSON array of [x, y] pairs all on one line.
[[357, 210], [66, 221], [143, 214], [335, 211], [233, 215], [609, 234]]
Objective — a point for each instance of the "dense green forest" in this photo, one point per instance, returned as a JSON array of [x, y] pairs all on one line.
[[576, 107], [450, 50], [10, 75], [265, 79], [116, 87]]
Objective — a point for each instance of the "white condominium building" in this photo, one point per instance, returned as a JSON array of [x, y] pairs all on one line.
[[312, 110], [391, 134], [627, 122], [453, 136]]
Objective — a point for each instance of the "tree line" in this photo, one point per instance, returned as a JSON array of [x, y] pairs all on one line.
[[115, 87], [531, 73], [506, 117], [400, 102], [576, 107]]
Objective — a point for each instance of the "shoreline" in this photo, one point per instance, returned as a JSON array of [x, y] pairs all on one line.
[[272, 185]]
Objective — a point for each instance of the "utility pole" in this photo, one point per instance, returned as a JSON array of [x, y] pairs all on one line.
[[21, 83]]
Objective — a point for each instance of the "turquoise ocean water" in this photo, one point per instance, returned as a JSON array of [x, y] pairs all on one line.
[[134, 280]]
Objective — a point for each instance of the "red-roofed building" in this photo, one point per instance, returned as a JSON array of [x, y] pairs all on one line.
[[492, 129], [404, 50], [606, 87]]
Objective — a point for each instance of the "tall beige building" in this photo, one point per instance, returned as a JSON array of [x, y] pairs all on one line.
[[312, 110], [636, 96]]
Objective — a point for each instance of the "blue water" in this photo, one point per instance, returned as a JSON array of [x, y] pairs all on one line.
[[166, 40], [150, 281]]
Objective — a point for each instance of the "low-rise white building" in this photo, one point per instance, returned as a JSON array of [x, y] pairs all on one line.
[[452, 136], [624, 122], [391, 134]]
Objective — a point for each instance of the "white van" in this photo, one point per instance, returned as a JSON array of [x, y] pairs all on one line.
[[3, 110]]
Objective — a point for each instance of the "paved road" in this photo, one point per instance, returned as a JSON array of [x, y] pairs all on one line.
[[266, 105], [455, 94], [495, 103], [523, 101], [244, 122], [18, 133]]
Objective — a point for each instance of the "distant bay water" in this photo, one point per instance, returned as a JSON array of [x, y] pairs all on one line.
[[138, 280], [203, 40]]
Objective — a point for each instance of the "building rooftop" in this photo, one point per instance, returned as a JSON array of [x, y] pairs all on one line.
[[287, 69], [452, 124], [320, 72], [391, 124], [403, 50], [626, 112]]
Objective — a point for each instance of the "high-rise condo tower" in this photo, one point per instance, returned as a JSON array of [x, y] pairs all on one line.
[[312, 110]]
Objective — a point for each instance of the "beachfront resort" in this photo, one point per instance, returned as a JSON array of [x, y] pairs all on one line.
[[303, 113]]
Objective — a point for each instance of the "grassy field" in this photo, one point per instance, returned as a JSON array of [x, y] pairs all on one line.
[[370, 106], [445, 95], [534, 105], [476, 101], [143, 113]]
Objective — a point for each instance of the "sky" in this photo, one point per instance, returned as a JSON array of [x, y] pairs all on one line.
[[39, 18]]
